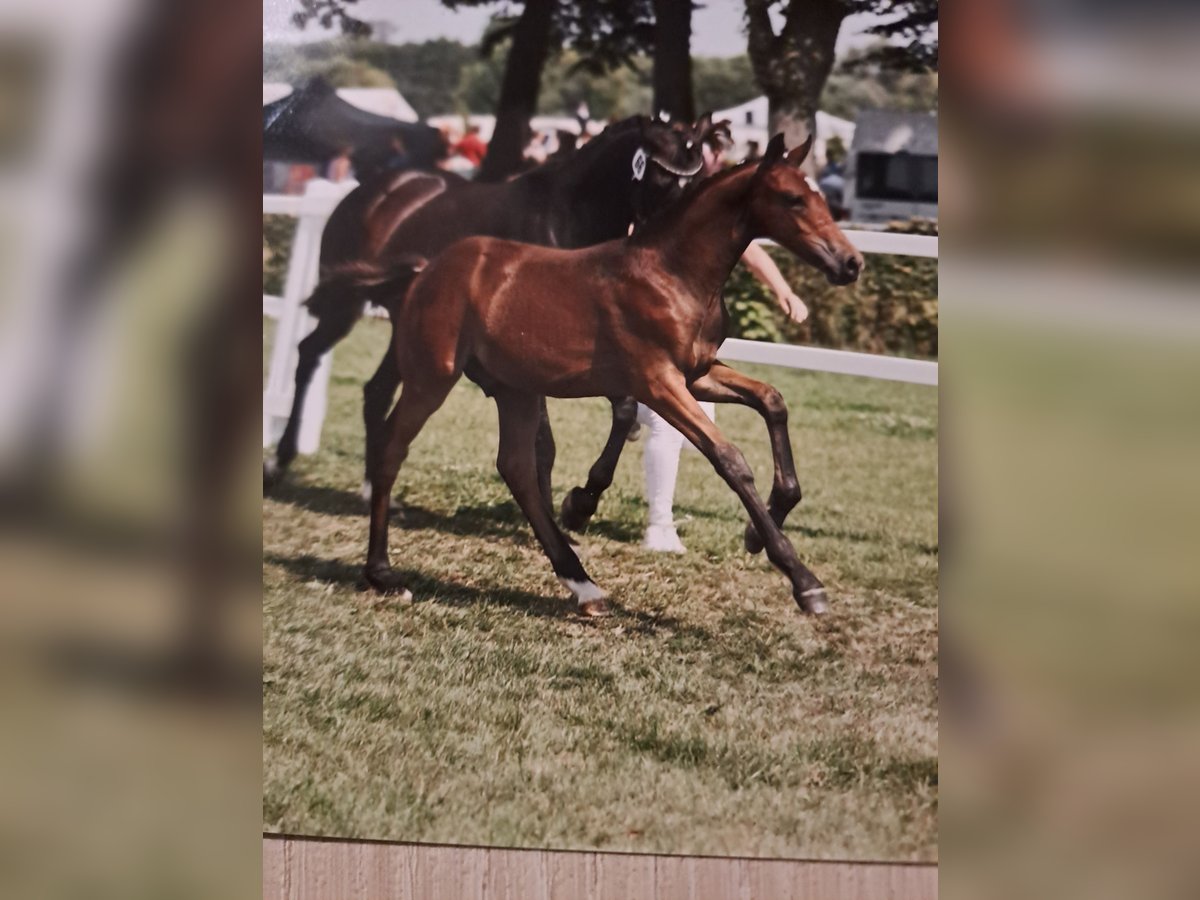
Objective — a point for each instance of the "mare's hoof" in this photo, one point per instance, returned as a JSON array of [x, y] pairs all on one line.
[[578, 506], [813, 601], [596, 608], [752, 541], [385, 580]]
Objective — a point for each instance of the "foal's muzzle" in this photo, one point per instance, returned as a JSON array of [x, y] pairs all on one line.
[[850, 266]]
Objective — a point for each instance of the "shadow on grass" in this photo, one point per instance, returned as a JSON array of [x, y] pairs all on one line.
[[856, 537], [481, 520], [318, 498], [434, 590], [484, 520]]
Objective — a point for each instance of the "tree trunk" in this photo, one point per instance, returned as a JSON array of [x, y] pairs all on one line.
[[792, 67], [519, 91], [673, 59]]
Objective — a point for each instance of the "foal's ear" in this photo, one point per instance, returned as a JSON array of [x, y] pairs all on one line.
[[799, 154], [775, 151]]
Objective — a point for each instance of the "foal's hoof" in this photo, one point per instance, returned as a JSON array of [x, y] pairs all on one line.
[[596, 608], [590, 601], [271, 473], [385, 580], [753, 542], [635, 433], [578, 506], [813, 601]]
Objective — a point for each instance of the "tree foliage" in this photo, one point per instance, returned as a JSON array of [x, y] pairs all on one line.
[[328, 13], [723, 82], [427, 73], [860, 81], [892, 308], [910, 29]]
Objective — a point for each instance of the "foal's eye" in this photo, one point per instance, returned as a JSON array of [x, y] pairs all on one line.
[[793, 199]]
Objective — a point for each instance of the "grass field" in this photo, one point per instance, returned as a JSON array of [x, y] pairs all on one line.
[[706, 716]]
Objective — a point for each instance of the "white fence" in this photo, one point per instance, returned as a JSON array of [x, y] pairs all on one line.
[[293, 322]]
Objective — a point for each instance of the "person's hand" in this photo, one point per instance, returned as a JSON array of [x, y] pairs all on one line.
[[793, 306]]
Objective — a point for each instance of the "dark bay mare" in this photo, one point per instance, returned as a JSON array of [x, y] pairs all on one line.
[[629, 171], [640, 317]]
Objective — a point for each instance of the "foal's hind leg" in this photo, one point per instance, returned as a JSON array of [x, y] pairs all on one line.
[[724, 385], [580, 503], [336, 321], [517, 462], [418, 401]]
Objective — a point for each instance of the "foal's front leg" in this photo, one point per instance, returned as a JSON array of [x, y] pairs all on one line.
[[670, 398], [724, 385]]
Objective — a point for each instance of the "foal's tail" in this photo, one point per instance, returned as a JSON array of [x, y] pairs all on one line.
[[364, 282]]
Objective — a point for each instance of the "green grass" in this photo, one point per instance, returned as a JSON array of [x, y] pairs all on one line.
[[706, 716]]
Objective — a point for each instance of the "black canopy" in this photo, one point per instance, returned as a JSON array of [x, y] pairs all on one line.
[[312, 124]]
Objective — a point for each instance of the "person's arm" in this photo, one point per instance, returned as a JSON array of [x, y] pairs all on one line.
[[760, 264]]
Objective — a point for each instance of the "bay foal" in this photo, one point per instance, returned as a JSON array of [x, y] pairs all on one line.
[[640, 317]]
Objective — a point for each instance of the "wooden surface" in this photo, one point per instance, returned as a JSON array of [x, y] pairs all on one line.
[[300, 868]]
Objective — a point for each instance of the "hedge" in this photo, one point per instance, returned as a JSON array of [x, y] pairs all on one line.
[[892, 308]]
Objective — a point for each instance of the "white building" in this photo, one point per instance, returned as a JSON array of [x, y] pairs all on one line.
[[750, 121], [892, 170]]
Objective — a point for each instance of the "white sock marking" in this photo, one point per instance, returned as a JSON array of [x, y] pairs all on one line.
[[584, 591]]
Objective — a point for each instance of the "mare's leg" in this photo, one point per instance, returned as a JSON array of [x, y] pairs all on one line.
[[669, 397], [580, 503], [723, 385], [418, 401], [335, 322], [517, 463], [378, 394]]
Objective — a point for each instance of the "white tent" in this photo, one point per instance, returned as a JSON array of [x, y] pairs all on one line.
[[381, 101], [750, 121]]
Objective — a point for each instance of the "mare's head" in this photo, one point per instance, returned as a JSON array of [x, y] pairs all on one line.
[[668, 156], [627, 173], [785, 207]]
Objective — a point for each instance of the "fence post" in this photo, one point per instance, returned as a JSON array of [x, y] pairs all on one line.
[[294, 322]]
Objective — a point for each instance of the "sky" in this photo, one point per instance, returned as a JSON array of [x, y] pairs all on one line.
[[717, 27]]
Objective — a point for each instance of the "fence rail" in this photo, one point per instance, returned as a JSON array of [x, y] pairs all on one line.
[[312, 209]]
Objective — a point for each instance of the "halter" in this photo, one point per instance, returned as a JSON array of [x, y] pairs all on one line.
[[641, 158]]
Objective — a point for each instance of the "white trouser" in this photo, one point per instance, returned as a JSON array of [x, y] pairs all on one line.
[[660, 458]]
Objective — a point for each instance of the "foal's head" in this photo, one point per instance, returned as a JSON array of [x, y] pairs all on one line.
[[785, 207]]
